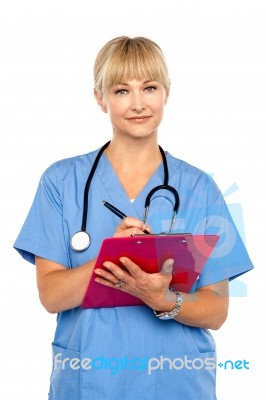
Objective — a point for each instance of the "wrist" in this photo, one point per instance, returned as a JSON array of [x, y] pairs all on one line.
[[167, 303], [172, 313]]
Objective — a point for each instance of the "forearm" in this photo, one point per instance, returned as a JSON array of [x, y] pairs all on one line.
[[62, 289], [203, 309], [207, 308]]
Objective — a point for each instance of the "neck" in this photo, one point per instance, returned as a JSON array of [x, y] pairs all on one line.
[[134, 162], [136, 152]]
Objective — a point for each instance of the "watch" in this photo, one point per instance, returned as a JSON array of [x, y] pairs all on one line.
[[173, 313]]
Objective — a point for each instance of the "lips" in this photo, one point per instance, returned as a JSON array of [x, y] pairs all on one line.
[[138, 118]]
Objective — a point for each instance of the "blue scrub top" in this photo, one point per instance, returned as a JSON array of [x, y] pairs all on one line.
[[126, 352]]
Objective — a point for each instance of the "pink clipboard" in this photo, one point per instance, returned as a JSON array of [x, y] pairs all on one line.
[[190, 253]]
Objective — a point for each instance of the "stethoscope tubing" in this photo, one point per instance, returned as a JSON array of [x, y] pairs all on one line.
[[80, 241], [87, 186]]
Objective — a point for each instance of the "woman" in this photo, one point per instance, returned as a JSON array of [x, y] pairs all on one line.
[[130, 352]]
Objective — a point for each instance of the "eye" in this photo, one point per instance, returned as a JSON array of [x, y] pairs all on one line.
[[150, 89], [121, 92]]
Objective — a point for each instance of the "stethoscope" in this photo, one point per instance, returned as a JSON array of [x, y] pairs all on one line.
[[80, 241]]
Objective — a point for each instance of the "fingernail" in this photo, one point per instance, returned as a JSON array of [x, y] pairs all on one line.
[[98, 271], [123, 260], [169, 265]]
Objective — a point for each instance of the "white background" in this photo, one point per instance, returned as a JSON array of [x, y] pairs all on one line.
[[215, 119]]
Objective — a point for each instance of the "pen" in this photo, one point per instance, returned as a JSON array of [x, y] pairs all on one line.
[[117, 212]]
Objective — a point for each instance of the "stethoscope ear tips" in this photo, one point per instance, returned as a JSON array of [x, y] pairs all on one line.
[[80, 241]]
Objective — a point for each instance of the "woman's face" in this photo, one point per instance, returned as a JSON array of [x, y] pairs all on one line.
[[135, 107]]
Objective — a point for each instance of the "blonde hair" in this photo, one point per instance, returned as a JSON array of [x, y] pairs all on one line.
[[123, 59]]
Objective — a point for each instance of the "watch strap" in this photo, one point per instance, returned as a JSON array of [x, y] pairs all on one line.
[[173, 313]]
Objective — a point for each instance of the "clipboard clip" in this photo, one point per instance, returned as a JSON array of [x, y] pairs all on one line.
[[162, 234]]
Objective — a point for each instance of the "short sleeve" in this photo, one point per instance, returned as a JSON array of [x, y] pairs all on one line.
[[42, 232], [230, 258]]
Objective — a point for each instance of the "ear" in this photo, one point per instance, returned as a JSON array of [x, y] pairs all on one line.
[[99, 100]]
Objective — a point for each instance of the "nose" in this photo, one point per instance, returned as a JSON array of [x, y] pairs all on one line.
[[137, 103], [139, 108]]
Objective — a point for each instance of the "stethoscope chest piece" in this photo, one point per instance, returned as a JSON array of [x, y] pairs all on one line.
[[80, 241]]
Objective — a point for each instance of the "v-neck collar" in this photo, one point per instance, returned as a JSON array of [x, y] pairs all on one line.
[[117, 194]]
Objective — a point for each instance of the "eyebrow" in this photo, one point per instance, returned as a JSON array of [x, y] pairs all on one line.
[[144, 83]]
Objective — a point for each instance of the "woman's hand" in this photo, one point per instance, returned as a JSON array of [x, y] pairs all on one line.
[[131, 226], [206, 308], [152, 289]]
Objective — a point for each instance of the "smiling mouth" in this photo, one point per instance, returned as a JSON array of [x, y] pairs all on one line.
[[139, 118]]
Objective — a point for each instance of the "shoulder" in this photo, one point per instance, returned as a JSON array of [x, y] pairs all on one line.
[[188, 171], [192, 179], [76, 165]]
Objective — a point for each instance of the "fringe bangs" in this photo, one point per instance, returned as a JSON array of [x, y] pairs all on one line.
[[124, 59], [134, 62]]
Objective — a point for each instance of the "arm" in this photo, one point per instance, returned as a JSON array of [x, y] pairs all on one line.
[[207, 308], [61, 288]]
